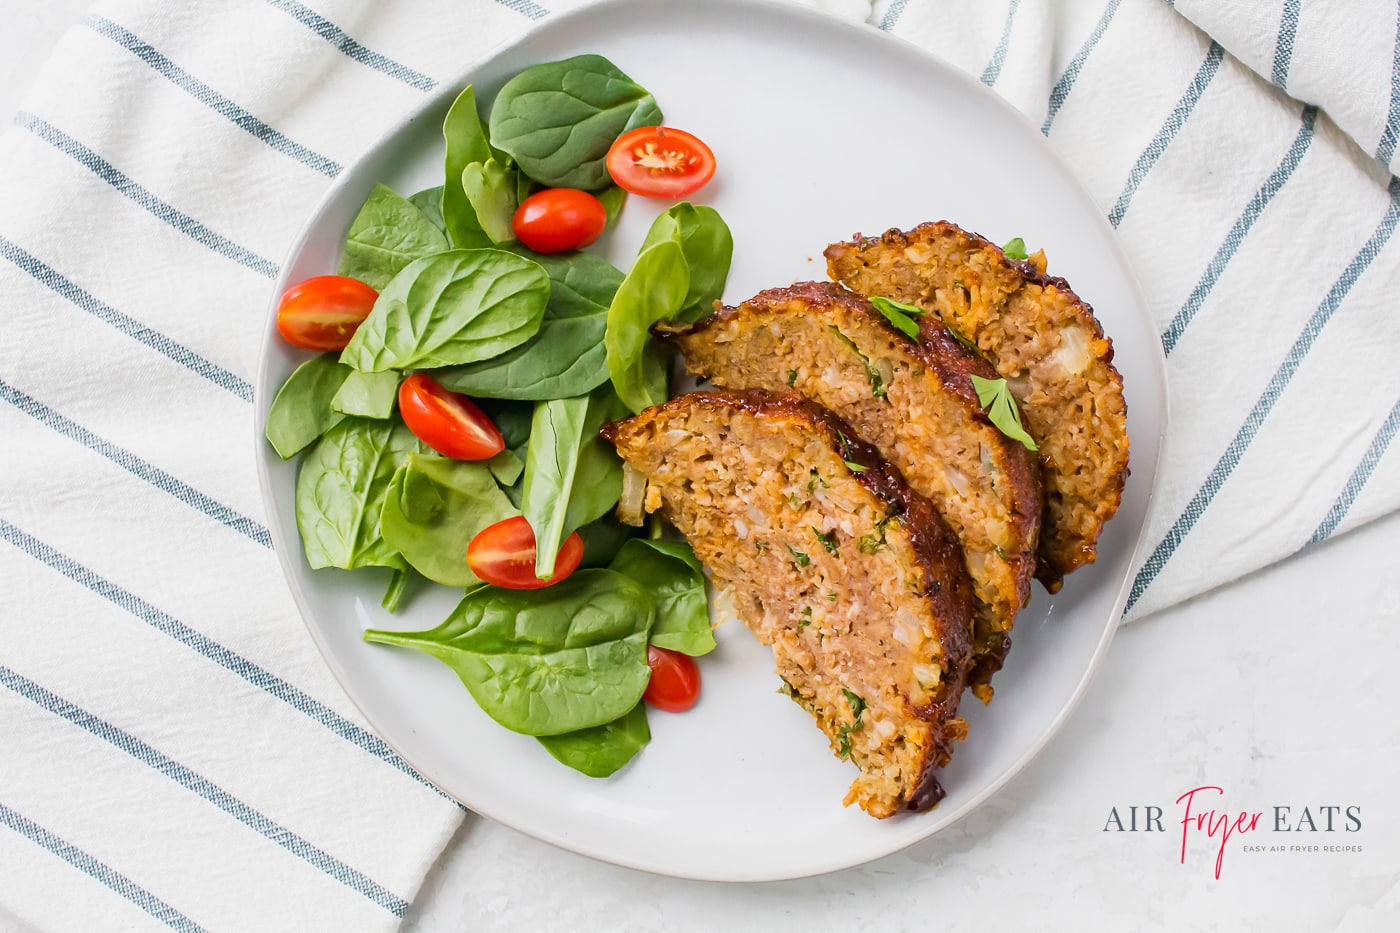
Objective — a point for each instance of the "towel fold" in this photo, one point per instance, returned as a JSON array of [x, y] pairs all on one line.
[[175, 750]]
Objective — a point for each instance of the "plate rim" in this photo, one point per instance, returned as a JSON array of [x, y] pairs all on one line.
[[286, 553]]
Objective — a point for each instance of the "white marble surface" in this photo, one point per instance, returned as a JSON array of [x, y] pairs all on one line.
[[1280, 688]]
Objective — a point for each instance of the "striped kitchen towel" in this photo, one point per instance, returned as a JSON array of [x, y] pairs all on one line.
[[174, 750]]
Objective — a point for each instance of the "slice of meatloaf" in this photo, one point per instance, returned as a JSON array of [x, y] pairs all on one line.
[[1044, 340], [915, 402], [829, 558]]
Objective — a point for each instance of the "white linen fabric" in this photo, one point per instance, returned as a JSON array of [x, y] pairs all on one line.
[[175, 752]]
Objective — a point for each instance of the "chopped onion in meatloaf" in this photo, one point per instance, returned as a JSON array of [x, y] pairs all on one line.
[[1043, 340], [911, 398], [828, 557]]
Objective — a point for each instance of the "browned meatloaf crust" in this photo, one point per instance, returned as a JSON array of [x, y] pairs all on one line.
[[1044, 340], [914, 401], [776, 497]]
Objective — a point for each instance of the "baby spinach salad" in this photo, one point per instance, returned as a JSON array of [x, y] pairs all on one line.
[[447, 429]]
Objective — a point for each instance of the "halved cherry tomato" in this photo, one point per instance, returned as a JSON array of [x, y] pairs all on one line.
[[447, 422], [559, 219], [660, 162], [504, 554], [323, 312], [675, 680]]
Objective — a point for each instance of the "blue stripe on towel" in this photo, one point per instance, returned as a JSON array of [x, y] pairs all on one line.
[[1359, 477], [892, 14], [135, 465], [1175, 121], [1265, 404], [1240, 230], [211, 98], [169, 625], [98, 871], [1386, 149], [350, 48], [993, 69], [152, 204], [48, 276], [1066, 83], [1283, 48], [197, 784], [525, 8]]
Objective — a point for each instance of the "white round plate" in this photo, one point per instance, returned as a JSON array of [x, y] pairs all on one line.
[[821, 129]]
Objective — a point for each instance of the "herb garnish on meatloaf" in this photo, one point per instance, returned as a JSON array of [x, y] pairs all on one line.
[[830, 559], [915, 401], [1047, 344]]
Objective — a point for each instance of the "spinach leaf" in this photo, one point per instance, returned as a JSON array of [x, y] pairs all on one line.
[[301, 411], [558, 119], [654, 289], [566, 357], [572, 476], [466, 143], [370, 395], [506, 466], [567, 657], [456, 307], [511, 418], [602, 539], [387, 234], [491, 190], [601, 750], [398, 585], [705, 239], [429, 201], [613, 199], [434, 507], [340, 493], [670, 572]]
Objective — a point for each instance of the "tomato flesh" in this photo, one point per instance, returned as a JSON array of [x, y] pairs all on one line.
[[447, 422], [323, 312], [503, 554], [675, 680], [559, 219], [660, 162]]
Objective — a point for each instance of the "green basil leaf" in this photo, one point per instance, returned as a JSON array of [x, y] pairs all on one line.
[[301, 411], [544, 662], [429, 201], [566, 357], [490, 189], [1016, 249], [557, 120], [341, 489], [434, 507], [669, 570], [467, 142], [654, 289], [994, 395], [456, 307], [705, 239], [387, 234], [602, 750], [897, 313], [369, 395]]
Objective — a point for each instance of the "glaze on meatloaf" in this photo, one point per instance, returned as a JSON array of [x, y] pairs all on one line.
[[914, 401], [830, 559], [1047, 344]]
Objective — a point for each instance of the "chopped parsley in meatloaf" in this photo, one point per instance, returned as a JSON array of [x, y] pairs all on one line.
[[914, 400], [1043, 340], [787, 510]]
